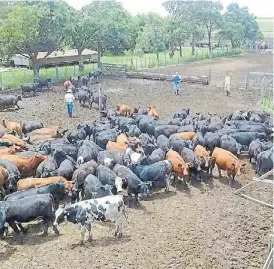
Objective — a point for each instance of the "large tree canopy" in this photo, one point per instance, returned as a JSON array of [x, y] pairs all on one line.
[[239, 26]]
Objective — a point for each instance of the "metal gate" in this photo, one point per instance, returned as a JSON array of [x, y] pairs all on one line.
[[116, 70]]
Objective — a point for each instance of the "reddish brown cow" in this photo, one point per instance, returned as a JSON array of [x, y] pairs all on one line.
[[4, 174], [123, 109], [227, 161], [17, 141], [152, 112], [11, 150], [28, 183], [203, 155], [26, 166], [13, 126], [186, 135], [179, 166]]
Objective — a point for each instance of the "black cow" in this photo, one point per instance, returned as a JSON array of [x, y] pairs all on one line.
[[14, 174], [79, 134], [68, 149], [186, 128], [229, 143], [245, 138], [166, 130], [84, 97], [95, 99], [212, 140], [130, 181], [57, 190], [7, 101], [42, 82], [255, 148], [156, 156], [163, 143], [198, 139], [102, 138], [65, 169], [93, 188], [30, 126], [26, 210], [133, 130], [85, 154], [264, 162], [28, 88], [46, 167], [177, 143]]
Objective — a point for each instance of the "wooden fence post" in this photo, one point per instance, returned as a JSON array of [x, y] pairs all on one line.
[[57, 73]]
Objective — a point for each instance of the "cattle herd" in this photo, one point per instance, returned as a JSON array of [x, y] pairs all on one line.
[[129, 149]]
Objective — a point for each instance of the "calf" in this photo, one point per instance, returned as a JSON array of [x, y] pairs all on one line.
[[109, 208], [26, 210], [225, 160], [42, 82], [28, 88], [156, 156], [13, 126], [95, 99]]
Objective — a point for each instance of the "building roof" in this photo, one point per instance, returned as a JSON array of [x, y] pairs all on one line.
[[59, 54]]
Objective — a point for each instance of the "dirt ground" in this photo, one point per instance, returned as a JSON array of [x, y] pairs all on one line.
[[206, 226]]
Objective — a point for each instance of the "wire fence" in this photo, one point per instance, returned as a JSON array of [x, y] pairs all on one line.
[[266, 100], [14, 78]]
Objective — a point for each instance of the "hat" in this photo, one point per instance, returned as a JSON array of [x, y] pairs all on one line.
[[69, 91]]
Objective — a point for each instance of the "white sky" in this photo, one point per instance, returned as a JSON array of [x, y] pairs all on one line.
[[260, 8]]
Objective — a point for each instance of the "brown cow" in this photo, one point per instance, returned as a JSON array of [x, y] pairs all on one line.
[[186, 135], [41, 137], [13, 126], [203, 155], [227, 161], [124, 139], [11, 150], [17, 141], [4, 174], [123, 109], [28, 183], [179, 167], [152, 112], [26, 166], [54, 132]]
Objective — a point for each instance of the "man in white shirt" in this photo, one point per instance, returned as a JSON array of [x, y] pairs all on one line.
[[227, 83], [69, 99]]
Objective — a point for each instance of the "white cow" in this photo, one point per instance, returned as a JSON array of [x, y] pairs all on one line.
[[108, 208]]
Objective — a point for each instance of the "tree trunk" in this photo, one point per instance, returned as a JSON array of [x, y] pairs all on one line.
[[80, 61], [192, 44], [209, 41], [181, 51], [35, 68], [99, 64], [157, 54]]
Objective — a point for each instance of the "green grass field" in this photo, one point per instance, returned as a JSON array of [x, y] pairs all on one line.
[[266, 26], [16, 77]]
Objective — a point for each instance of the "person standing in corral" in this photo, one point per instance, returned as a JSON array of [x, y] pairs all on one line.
[[176, 81], [69, 99], [227, 84]]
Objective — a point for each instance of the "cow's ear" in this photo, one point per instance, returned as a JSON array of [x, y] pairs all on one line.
[[180, 165]]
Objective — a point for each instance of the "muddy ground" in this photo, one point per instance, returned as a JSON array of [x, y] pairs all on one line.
[[206, 226]]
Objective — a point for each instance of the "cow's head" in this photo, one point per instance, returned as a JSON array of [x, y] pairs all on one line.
[[118, 184], [144, 189], [39, 157], [184, 168], [118, 107]]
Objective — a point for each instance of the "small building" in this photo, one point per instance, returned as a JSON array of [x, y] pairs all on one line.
[[55, 58]]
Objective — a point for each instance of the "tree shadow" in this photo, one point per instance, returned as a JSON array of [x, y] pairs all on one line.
[[225, 181]]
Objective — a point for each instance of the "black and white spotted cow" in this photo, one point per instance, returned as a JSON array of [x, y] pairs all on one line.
[[108, 208]]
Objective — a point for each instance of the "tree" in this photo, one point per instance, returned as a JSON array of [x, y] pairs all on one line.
[[152, 38], [113, 25], [30, 28], [198, 15], [239, 26], [177, 32]]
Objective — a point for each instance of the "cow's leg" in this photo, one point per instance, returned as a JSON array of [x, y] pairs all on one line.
[[88, 226], [24, 230], [220, 172], [46, 226], [3, 192], [167, 181], [13, 225], [119, 227], [83, 231]]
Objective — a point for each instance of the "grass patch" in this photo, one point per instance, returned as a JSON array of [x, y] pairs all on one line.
[[267, 104], [14, 78], [266, 26]]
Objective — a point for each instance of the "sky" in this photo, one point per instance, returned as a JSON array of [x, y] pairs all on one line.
[[260, 8]]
